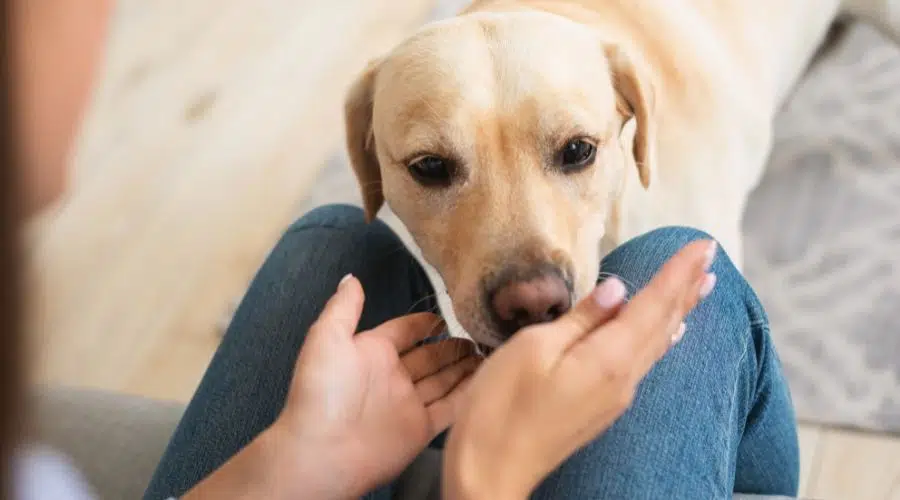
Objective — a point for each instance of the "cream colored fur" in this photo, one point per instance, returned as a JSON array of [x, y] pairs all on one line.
[[678, 95]]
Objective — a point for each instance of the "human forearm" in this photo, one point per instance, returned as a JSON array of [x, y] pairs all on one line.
[[269, 467], [475, 469], [252, 473]]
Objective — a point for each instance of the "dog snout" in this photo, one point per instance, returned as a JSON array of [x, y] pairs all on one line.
[[520, 302]]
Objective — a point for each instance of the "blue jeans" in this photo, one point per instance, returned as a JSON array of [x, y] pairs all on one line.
[[713, 417]]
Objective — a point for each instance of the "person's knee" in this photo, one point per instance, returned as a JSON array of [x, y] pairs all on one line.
[[336, 216], [343, 217], [348, 220], [639, 258], [673, 237]]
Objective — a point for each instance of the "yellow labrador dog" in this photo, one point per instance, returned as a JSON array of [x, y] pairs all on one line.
[[521, 140]]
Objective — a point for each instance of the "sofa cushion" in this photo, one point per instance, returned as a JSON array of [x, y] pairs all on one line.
[[115, 440]]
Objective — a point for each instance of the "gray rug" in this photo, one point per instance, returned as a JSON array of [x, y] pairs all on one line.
[[822, 236]]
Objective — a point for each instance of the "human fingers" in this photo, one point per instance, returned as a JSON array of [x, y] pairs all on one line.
[[643, 330], [656, 345], [443, 412], [342, 312], [429, 359], [598, 307], [406, 331], [439, 384], [669, 293], [702, 289]]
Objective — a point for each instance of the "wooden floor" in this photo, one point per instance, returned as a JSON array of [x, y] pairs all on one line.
[[209, 124]]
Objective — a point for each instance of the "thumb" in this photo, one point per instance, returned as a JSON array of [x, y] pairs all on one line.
[[590, 313], [342, 312]]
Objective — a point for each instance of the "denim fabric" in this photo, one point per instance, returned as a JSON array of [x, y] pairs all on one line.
[[713, 417]]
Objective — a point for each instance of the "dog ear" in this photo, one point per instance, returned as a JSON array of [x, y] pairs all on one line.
[[636, 99], [358, 107]]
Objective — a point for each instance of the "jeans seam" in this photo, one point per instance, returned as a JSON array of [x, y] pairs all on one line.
[[733, 398]]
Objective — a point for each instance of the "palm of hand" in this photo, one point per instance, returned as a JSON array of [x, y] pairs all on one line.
[[375, 399], [383, 419]]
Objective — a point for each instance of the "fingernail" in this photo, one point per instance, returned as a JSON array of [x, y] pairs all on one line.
[[610, 293], [710, 254], [709, 281], [344, 280], [680, 333]]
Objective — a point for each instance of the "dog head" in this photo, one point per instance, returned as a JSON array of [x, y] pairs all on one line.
[[497, 141]]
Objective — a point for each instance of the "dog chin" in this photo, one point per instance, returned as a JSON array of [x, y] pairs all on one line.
[[445, 304]]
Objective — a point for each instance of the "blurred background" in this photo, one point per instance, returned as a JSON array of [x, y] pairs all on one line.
[[216, 123]]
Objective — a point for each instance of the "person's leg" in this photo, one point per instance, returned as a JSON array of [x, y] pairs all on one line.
[[244, 387], [712, 418]]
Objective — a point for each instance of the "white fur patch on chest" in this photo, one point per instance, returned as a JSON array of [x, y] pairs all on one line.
[[445, 304]]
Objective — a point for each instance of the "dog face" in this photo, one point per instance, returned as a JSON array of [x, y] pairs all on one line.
[[496, 140]]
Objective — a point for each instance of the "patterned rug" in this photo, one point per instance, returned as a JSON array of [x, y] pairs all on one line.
[[822, 240], [822, 235]]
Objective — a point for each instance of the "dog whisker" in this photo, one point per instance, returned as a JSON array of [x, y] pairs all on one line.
[[400, 247], [421, 300]]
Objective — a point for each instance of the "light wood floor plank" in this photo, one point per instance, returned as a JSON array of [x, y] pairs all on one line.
[[810, 439], [211, 121], [857, 466]]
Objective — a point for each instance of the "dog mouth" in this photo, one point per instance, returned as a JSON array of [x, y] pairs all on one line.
[[484, 350]]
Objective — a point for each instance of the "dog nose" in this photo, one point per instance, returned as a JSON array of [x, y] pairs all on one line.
[[520, 303]]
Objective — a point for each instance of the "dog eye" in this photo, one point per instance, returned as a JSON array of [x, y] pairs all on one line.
[[432, 171], [576, 155]]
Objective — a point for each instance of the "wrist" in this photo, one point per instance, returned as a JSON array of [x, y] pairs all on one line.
[[281, 465], [311, 466], [475, 472], [254, 472]]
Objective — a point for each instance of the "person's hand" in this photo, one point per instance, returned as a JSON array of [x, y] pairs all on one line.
[[360, 407], [554, 387], [372, 401]]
